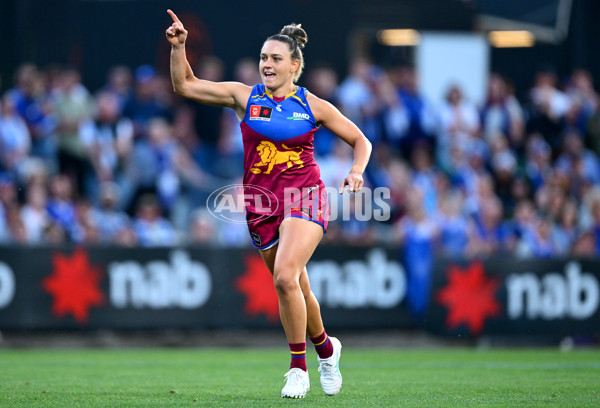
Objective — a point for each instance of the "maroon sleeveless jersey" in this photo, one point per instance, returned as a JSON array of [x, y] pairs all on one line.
[[278, 139]]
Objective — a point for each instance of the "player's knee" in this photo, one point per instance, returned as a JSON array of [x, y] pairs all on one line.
[[286, 281]]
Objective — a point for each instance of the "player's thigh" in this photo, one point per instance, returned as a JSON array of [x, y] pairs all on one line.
[[268, 256], [298, 239]]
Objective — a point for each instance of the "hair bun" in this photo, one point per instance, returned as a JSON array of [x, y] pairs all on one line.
[[296, 32]]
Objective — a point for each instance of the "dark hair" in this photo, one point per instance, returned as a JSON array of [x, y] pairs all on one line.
[[295, 37]]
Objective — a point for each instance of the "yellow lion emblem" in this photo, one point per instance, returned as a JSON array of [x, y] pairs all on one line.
[[270, 156]]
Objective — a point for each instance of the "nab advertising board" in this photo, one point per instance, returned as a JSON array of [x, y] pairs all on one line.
[[520, 297], [199, 288], [124, 288]]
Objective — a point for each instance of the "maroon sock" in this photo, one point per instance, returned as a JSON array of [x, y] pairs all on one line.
[[323, 346], [298, 351]]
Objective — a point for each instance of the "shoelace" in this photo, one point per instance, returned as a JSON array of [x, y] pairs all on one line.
[[292, 377], [326, 368]]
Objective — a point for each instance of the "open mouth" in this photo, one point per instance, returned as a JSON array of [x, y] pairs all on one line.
[[269, 75]]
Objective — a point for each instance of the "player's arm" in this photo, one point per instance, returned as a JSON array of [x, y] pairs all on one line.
[[329, 116], [230, 94]]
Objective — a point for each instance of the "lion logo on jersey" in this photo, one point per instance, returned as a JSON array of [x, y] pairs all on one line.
[[270, 156]]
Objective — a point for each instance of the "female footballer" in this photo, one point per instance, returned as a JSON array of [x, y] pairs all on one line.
[[278, 120]]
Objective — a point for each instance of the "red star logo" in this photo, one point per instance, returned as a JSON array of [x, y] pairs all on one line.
[[257, 285], [469, 297], [74, 286], [266, 112]]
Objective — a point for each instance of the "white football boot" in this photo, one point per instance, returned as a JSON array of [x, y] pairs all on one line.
[[331, 378], [297, 384]]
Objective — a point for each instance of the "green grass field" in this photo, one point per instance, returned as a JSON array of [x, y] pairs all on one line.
[[254, 377]]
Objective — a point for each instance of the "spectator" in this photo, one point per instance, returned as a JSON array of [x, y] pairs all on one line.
[[567, 229], [366, 97], [453, 226], [8, 199], [35, 173], [539, 241], [61, 208], [207, 120], [425, 177], [422, 120], [458, 121], [469, 164], [487, 232], [504, 168], [547, 107], [396, 175], [577, 163], [88, 229], [483, 192], [349, 227], [16, 227], [538, 166], [108, 141], [333, 166], [592, 130], [583, 98], [323, 82], [520, 190], [546, 179], [161, 165], [15, 140], [109, 219], [595, 213], [54, 234], [502, 113], [417, 233], [145, 103], [356, 98], [73, 105], [34, 214], [31, 101], [203, 228], [231, 144], [119, 84], [150, 227], [523, 221], [585, 245], [393, 114]]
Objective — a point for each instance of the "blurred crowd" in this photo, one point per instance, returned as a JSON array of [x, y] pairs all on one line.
[[132, 163]]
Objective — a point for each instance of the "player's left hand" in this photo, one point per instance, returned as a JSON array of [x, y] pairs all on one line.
[[176, 34], [354, 181]]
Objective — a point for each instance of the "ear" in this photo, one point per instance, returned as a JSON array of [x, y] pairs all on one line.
[[295, 66]]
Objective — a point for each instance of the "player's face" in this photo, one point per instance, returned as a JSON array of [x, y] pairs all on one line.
[[276, 66]]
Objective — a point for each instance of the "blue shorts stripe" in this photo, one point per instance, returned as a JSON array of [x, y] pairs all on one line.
[[307, 219], [269, 245]]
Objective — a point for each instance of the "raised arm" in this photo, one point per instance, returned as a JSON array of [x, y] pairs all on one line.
[[230, 94], [329, 116]]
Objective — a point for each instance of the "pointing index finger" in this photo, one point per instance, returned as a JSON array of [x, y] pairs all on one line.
[[173, 16]]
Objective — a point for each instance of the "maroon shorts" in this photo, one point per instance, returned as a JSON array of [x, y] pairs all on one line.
[[311, 205]]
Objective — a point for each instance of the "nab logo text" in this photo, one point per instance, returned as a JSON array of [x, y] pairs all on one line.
[[572, 294]]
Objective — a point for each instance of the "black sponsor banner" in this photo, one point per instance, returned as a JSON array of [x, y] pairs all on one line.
[[500, 296], [136, 288], [124, 288]]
